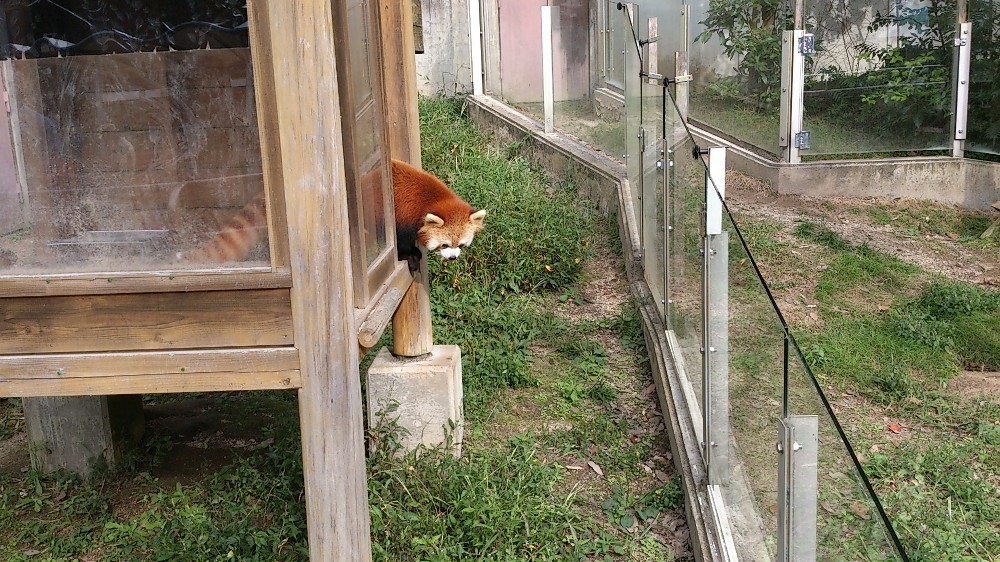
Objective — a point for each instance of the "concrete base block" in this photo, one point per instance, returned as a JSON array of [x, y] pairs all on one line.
[[425, 392], [81, 433]]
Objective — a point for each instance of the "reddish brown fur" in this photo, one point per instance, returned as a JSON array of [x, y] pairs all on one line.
[[417, 193], [237, 238]]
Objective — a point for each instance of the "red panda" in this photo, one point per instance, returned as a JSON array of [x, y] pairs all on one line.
[[428, 214], [237, 238]]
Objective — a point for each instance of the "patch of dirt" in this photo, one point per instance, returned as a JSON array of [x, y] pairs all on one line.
[[851, 219], [855, 220], [975, 385]]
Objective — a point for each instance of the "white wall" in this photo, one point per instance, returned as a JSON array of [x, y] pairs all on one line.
[[445, 67]]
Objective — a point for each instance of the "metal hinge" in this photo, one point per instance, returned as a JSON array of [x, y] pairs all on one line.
[[807, 44], [802, 140]]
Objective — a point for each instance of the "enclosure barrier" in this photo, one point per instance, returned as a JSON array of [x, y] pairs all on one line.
[[781, 479]]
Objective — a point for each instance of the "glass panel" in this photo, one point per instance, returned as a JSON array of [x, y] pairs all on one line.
[[686, 183], [521, 55], [879, 81], [365, 131], [136, 145], [633, 105], [850, 524], [756, 363], [735, 61], [616, 35], [984, 88]]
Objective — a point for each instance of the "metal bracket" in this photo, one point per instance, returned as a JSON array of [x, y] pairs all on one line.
[[807, 44], [802, 140]]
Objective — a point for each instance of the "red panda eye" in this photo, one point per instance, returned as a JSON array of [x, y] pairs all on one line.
[[463, 246], [445, 246]]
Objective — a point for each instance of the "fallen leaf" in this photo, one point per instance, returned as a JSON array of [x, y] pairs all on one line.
[[895, 428], [573, 467], [861, 510], [953, 235], [595, 467], [883, 307]]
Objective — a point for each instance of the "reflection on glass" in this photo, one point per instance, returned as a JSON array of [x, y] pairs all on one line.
[[849, 525], [984, 89], [879, 81], [134, 138]]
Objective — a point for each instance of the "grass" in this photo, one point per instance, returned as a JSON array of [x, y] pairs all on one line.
[[891, 337], [561, 460]]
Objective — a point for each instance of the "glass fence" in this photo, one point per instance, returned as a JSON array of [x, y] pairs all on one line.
[[878, 80], [778, 462]]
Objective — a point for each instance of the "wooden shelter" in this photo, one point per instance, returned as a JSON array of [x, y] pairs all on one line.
[[133, 146]]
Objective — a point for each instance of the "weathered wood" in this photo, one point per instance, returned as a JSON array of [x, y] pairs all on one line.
[[401, 115], [412, 332], [145, 322], [373, 321], [270, 142], [330, 408], [99, 365], [147, 282], [173, 382]]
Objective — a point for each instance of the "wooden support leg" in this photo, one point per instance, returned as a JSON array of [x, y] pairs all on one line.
[[412, 334], [81, 433]]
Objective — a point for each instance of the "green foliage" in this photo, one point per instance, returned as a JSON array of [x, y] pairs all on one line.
[[822, 235], [500, 503], [750, 33]]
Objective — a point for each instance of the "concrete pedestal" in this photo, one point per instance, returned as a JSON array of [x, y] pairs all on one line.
[[81, 433], [426, 392]]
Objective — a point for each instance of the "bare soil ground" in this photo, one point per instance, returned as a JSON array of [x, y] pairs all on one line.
[[864, 221]]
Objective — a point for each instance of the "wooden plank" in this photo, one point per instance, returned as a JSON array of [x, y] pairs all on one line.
[[169, 281], [117, 364], [270, 142], [145, 322], [134, 384], [312, 156], [373, 320], [401, 115]]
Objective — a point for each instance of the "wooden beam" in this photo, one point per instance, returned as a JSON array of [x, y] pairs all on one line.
[[111, 282], [330, 408], [399, 65], [138, 384], [145, 322]]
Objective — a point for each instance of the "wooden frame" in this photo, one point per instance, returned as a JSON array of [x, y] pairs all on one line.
[[295, 324]]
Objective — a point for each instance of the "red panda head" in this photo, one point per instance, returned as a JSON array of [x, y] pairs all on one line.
[[451, 234]]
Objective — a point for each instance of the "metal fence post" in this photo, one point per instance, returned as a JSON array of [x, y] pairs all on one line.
[[715, 332], [795, 44], [798, 450], [548, 88], [963, 57]]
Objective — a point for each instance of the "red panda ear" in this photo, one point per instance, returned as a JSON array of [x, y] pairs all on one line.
[[477, 217], [433, 220]]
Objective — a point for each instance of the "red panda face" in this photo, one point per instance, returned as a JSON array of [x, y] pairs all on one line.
[[448, 237]]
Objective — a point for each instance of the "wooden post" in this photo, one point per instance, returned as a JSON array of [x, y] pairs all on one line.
[[81, 433], [330, 406], [412, 335]]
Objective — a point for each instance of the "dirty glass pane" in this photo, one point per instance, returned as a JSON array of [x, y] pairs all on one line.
[[520, 65], [880, 81], [134, 138], [366, 128], [984, 88], [850, 523]]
